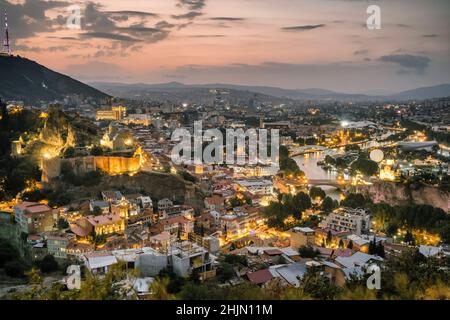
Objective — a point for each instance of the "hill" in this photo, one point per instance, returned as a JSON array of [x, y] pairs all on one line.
[[143, 90], [23, 79], [439, 91]]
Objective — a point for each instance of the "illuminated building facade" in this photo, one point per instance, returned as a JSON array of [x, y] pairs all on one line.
[[115, 114]]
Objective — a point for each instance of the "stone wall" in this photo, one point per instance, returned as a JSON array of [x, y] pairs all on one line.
[[51, 168]]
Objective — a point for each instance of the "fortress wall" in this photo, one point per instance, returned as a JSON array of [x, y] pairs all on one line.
[[51, 168]]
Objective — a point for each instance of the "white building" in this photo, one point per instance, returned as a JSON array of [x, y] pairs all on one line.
[[256, 186], [346, 219]]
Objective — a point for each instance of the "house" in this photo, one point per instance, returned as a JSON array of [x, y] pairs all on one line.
[[125, 209], [291, 273], [112, 196], [104, 224], [430, 251], [255, 186], [99, 262], [301, 237], [358, 259], [347, 219], [160, 241], [177, 225], [34, 217], [206, 220], [57, 244], [103, 205], [214, 203], [164, 204], [260, 277], [145, 202], [187, 256]]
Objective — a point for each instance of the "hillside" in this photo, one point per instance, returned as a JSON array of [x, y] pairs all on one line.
[[140, 90], [23, 79]]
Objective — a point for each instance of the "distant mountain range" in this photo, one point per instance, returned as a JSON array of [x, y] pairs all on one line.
[[23, 79], [299, 94]]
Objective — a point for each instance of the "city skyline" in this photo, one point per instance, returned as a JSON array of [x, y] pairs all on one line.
[[289, 44]]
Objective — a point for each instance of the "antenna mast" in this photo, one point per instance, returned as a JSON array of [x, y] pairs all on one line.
[[6, 42]]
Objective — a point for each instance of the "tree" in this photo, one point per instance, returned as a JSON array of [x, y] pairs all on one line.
[[365, 166], [225, 271], [341, 243], [329, 238], [355, 200], [69, 153], [96, 151], [350, 245], [409, 238], [14, 269], [62, 223], [195, 276], [97, 211], [308, 252], [317, 286], [47, 264], [380, 250], [328, 204], [317, 192]]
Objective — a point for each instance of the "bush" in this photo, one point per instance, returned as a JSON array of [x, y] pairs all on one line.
[[47, 264], [14, 269], [308, 252], [225, 271]]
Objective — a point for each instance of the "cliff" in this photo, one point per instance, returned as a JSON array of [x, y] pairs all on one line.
[[156, 185], [400, 194]]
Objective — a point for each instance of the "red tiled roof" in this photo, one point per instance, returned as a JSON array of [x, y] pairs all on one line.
[[103, 219], [273, 252], [215, 200], [259, 277], [172, 220], [33, 207]]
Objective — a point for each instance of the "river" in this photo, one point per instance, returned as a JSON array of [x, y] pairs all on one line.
[[308, 164]]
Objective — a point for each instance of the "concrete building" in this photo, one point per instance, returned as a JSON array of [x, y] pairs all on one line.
[[346, 219], [187, 256], [57, 244], [34, 217], [256, 186], [302, 237]]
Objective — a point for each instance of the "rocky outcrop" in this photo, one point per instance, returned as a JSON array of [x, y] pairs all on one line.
[[156, 185], [400, 194]]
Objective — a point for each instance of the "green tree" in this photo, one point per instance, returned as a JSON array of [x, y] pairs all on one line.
[[328, 205], [97, 211], [225, 271], [62, 223], [96, 151], [308, 252], [317, 192], [47, 264], [350, 245], [365, 166]]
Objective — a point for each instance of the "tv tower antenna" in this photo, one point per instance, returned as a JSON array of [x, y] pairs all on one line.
[[6, 43]]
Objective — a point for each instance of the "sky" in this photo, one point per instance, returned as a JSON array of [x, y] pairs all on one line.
[[285, 43]]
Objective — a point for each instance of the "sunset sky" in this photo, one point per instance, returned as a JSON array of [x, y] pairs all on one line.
[[286, 43]]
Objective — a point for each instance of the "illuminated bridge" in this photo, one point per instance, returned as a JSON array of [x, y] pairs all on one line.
[[327, 182], [306, 149]]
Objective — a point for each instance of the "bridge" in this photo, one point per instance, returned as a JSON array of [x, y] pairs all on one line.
[[327, 182], [306, 149]]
